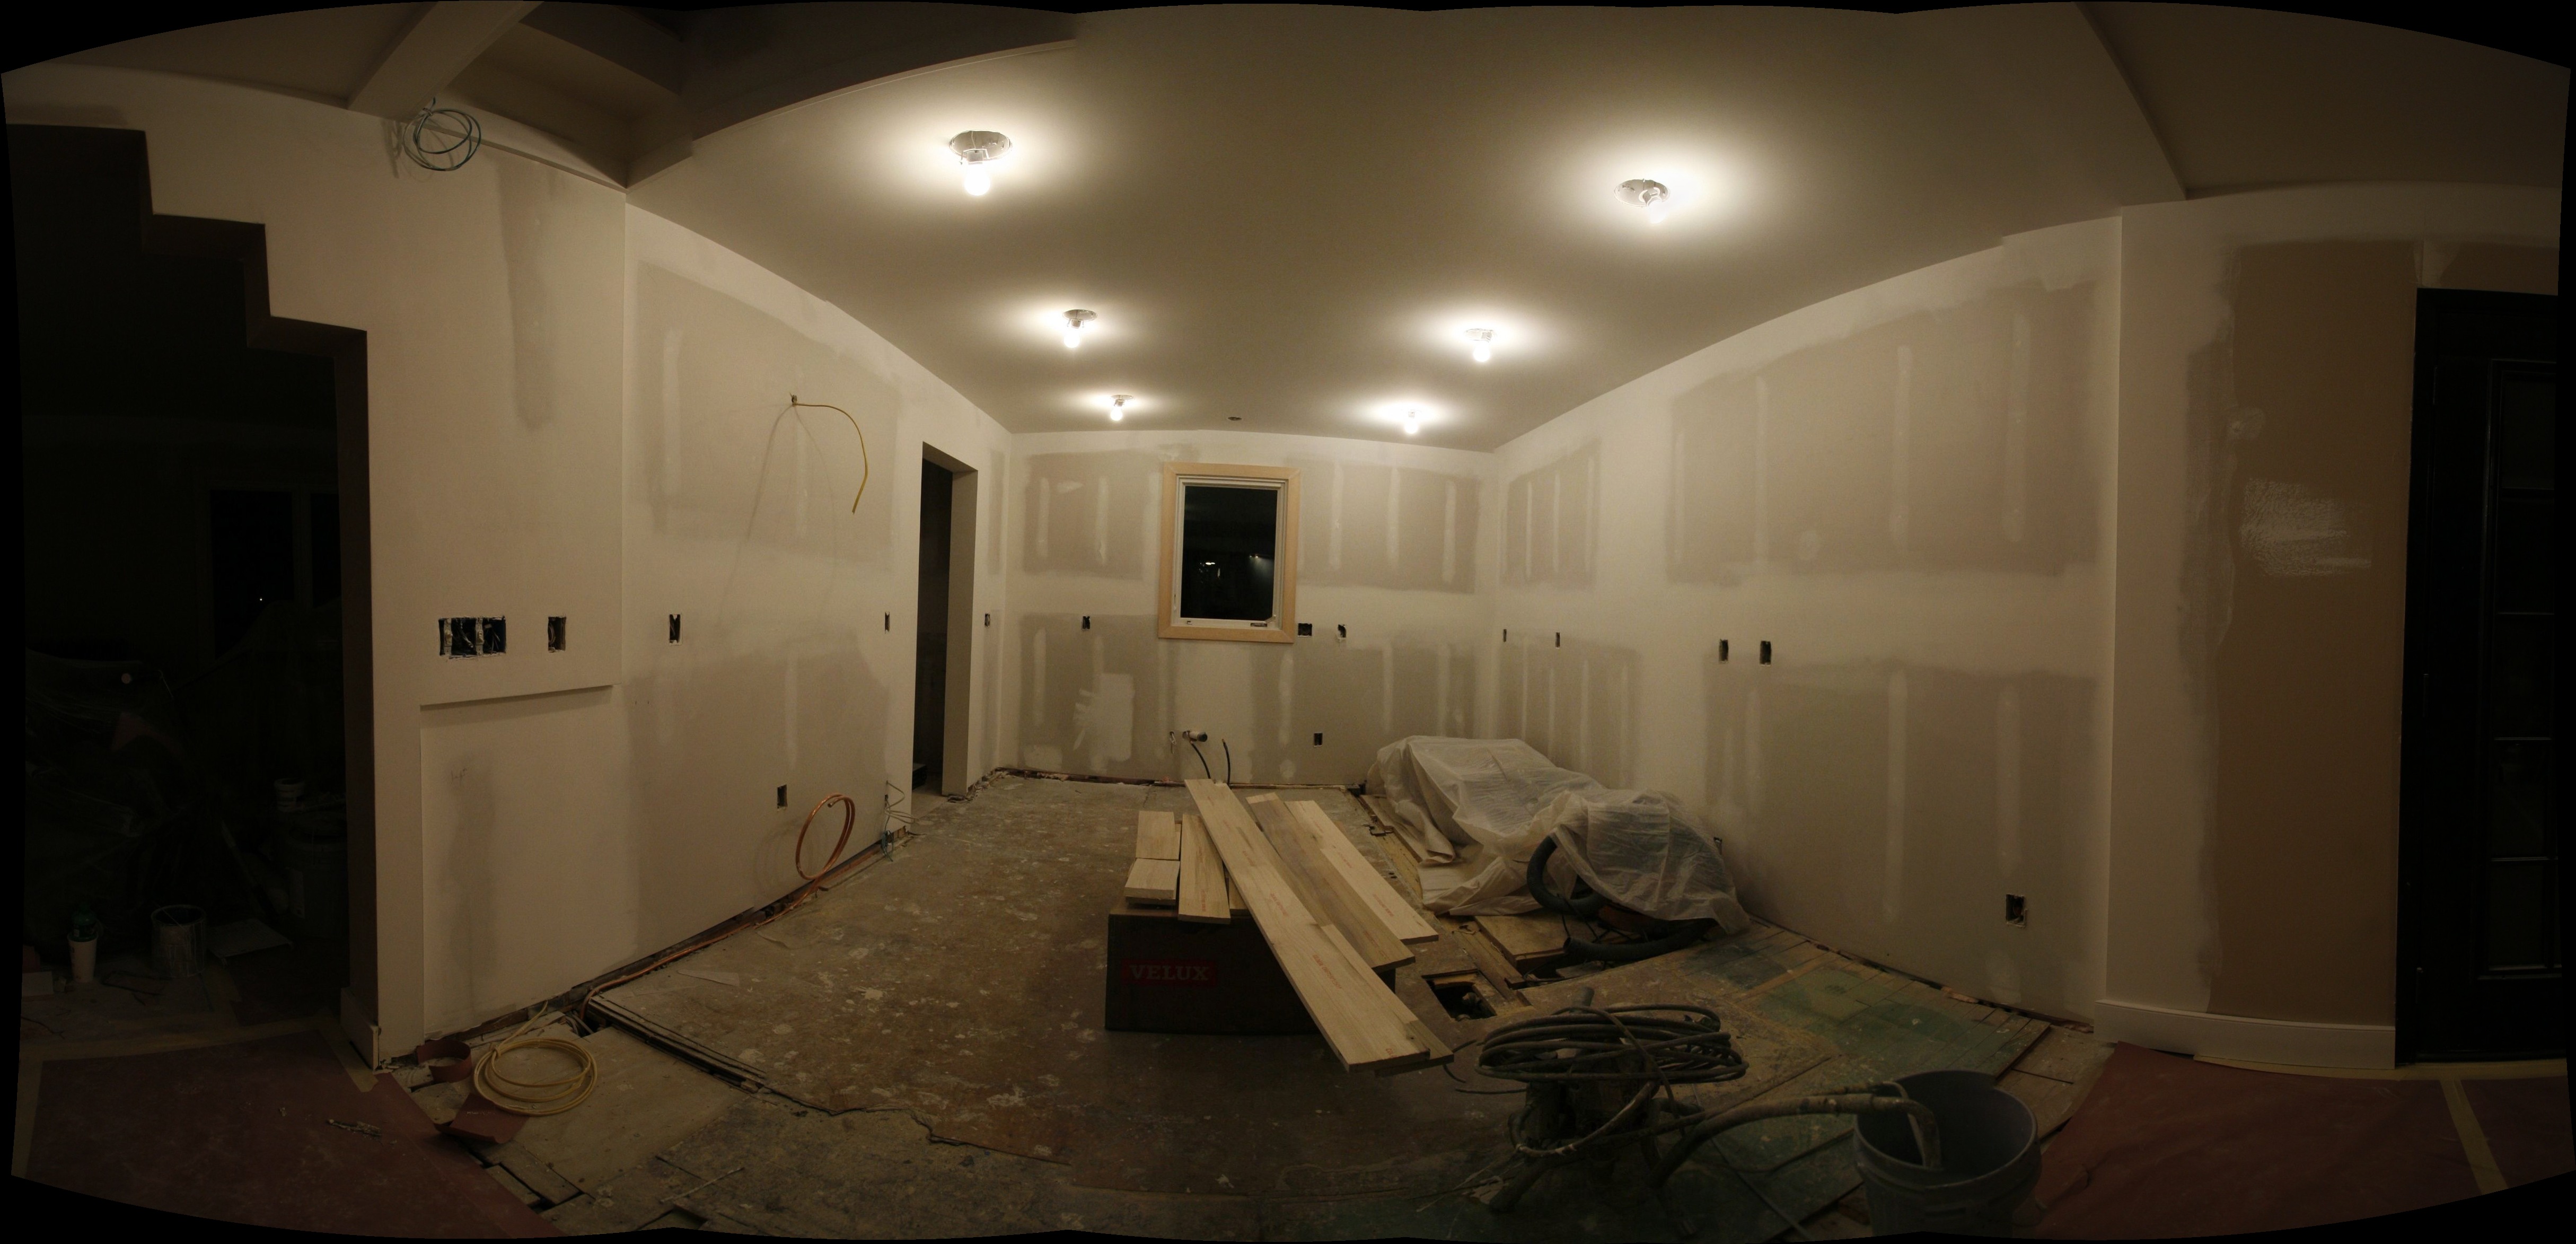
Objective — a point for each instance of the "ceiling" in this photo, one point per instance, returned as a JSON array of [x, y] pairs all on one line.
[[1287, 216]]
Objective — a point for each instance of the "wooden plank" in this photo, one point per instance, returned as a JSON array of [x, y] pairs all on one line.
[[1402, 830], [1323, 890], [1203, 896], [1527, 937], [1154, 882], [1361, 1019], [1158, 836], [1397, 915], [1234, 904], [1498, 968]]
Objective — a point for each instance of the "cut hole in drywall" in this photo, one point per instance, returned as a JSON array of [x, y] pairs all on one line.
[[1721, 650], [675, 628], [1766, 652], [889, 621], [1305, 628], [496, 636], [2015, 913], [1086, 621], [782, 796], [1560, 639], [1341, 632], [554, 634], [1319, 738]]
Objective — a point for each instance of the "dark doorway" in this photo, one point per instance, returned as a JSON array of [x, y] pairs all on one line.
[[2478, 909], [197, 685], [930, 647]]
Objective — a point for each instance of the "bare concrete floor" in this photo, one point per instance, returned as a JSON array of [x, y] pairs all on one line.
[[917, 1054]]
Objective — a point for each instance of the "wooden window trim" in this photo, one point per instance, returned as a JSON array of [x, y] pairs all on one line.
[[1167, 610]]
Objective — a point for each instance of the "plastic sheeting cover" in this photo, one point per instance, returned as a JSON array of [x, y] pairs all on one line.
[[1477, 809]]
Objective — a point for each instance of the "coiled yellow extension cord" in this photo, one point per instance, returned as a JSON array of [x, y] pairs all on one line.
[[863, 444], [536, 1097]]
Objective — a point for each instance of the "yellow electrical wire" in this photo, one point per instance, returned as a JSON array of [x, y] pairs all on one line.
[[863, 444], [536, 1097]]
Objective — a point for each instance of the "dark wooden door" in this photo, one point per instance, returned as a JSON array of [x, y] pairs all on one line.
[[2478, 908]]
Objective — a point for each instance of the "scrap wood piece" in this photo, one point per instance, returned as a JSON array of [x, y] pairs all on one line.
[[1529, 937], [1158, 836], [1361, 1019], [1398, 916], [1324, 891], [1498, 969], [1234, 904], [1203, 884], [1156, 882]]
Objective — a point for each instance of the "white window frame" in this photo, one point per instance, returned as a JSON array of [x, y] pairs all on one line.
[[1281, 628]]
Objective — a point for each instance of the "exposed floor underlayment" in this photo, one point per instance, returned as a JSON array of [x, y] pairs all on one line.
[[990, 924]]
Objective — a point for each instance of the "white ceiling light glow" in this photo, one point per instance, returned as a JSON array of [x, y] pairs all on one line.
[[979, 151], [1412, 421], [1075, 322], [1654, 196], [1118, 407], [1482, 341]]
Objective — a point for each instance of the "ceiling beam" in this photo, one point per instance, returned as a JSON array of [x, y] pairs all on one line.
[[420, 64]]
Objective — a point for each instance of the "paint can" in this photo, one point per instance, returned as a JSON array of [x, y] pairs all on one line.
[[1989, 1159], [178, 941], [84, 944]]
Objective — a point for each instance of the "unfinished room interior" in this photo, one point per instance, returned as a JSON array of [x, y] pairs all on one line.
[[1290, 622]]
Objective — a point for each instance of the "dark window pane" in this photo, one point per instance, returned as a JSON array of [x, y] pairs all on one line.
[[254, 558], [2518, 800], [2519, 922], [2526, 429], [2518, 676], [326, 547], [2522, 540], [1229, 536]]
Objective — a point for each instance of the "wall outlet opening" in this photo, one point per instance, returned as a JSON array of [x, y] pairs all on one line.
[[496, 636], [1721, 650], [2016, 910], [1766, 652], [554, 634], [782, 796], [675, 628], [1305, 628], [1319, 738]]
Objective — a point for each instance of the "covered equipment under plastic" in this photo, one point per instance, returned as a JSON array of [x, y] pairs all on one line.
[[1476, 810]]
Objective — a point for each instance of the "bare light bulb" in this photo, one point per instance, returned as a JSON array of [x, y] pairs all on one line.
[[1118, 408], [977, 150], [1074, 323], [1484, 339], [978, 182], [1412, 422]]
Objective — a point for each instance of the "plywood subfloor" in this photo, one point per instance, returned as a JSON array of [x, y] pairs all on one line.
[[960, 983]]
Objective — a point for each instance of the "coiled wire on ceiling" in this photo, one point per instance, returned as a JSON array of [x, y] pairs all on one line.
[[440, 139]]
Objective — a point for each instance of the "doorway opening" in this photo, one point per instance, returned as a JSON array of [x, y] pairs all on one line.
[[194, 592], [944, 632], [2480, 881]]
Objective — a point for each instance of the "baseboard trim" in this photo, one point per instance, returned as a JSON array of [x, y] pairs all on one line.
[[2280, 1041]]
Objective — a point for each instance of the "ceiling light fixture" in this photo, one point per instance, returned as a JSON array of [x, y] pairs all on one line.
[[979, 150], [1412, 421], [1074, 323], [1484, 339], [1118, 407], [1654, 196]]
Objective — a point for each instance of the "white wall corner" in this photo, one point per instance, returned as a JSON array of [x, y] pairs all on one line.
[[2281, 1041]]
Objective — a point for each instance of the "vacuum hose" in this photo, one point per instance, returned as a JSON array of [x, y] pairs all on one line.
[[1664, 937]]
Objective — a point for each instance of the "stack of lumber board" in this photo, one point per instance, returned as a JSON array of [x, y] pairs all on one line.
[[1332, 922], [1175, 867], [1529, 943]]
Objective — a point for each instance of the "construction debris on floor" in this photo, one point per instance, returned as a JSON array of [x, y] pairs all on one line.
[[931, 1046]]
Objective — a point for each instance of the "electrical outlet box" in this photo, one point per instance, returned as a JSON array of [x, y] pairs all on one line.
[[1766, 652], [675, 628], [1305, 628], [782, 796], [1319, 738], [496, 636], [459, 637], [554, 634], [2016, 910], [1721, 650]]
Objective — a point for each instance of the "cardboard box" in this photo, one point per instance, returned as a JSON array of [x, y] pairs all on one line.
[[1167, 974]]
